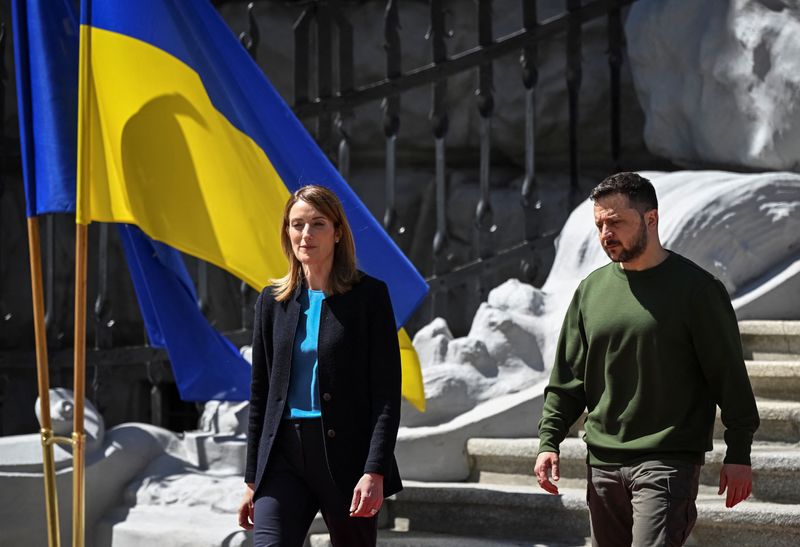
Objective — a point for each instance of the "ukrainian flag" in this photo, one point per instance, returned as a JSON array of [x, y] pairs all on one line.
[[181, 134], [205, 364]]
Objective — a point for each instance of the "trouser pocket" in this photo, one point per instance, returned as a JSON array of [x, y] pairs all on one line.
[[663, 495]]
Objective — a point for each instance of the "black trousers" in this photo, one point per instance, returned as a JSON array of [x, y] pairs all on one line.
[[297, 484]]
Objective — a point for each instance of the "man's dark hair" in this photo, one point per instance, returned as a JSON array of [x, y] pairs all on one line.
[[640, 191]]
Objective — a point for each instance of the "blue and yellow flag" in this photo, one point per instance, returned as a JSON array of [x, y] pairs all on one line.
[[205, 364], [181, 134]]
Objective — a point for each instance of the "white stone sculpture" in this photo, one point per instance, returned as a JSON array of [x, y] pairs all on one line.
[[62, 408], [145, 485], [719, 82], [745, 229], [113, 459]]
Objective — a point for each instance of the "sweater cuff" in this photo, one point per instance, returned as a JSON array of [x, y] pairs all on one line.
[[546, 444], [738, 454]]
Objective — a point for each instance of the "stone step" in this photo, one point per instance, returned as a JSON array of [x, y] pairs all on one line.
[[169, 526], [176, 526], [780, 421], [775, 379], [776, 467], [396, 538], [770, 340], [523, 513]]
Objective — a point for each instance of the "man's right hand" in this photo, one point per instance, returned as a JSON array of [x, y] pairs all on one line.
[[547, 461]]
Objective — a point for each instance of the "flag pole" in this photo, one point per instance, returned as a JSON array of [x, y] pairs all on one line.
[[43, 375], [79, 387], [81, 230]]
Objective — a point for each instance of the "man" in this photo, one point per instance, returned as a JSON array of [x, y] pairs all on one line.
[[649, 347]]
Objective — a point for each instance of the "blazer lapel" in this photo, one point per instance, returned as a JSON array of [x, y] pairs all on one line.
[[285, 343]]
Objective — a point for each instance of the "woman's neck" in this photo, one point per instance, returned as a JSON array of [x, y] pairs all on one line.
[[317, 276]]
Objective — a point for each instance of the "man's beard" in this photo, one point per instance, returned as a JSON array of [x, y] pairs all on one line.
[[635, 250]]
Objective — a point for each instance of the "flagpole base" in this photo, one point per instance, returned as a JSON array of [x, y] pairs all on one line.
[[78, 486], [50, 492]]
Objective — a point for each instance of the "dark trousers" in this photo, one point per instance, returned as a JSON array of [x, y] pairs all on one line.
[[649, 504], [297, 484]]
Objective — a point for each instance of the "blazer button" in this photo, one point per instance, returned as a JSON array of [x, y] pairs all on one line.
[[326, 397], [331, 433]]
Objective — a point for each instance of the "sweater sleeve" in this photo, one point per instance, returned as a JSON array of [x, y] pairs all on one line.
[[565, 399], [718, 346], [259, 388]]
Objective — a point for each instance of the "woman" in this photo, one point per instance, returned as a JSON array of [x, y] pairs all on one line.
[[325, 396]]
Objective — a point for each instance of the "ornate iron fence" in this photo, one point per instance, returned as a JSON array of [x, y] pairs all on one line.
[[333, 112]]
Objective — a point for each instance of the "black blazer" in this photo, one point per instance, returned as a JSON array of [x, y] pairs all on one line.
[[359, 382]]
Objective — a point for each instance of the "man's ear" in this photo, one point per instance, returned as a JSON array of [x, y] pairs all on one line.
[[651, 218]]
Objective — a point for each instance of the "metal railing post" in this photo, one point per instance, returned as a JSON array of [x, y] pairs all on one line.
[[439, 125]]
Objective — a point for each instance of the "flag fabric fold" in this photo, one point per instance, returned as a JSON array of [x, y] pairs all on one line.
[[181, 134], [46, 62], [205, 364]]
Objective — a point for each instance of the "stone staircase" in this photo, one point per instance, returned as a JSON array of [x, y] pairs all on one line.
[[181, 504], [502, 505]]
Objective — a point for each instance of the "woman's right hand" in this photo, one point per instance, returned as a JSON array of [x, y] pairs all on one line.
[[246, 508]]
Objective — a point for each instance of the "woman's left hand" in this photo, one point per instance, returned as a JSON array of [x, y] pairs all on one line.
[[367, 496]]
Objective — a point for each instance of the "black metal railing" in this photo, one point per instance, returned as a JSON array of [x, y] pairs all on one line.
[[486, 256], [4, 376], [326, 97]]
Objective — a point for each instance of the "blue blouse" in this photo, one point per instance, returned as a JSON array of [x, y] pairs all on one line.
[[302, 400]]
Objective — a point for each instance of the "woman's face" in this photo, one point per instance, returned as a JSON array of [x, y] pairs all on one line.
[[312, 234]]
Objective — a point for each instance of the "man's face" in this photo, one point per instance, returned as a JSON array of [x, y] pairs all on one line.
[[621, 228]]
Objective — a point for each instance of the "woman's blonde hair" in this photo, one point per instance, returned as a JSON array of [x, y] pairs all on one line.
[[343, 273]]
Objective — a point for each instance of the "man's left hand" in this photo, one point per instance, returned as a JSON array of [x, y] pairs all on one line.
[[738, 480]]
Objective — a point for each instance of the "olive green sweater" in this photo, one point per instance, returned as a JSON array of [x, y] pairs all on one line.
[[650, 354]]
